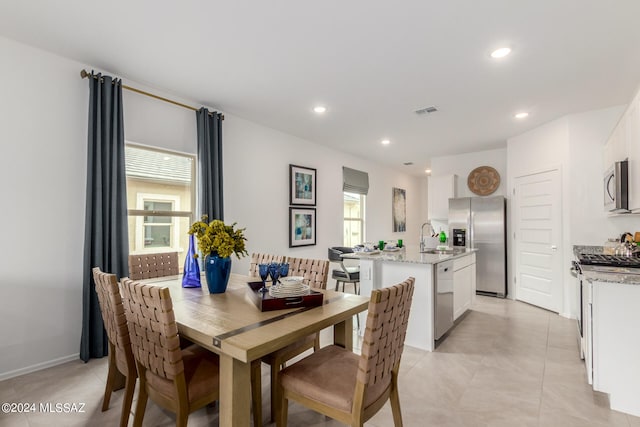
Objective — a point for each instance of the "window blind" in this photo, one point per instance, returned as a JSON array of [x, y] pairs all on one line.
[[355, 181]]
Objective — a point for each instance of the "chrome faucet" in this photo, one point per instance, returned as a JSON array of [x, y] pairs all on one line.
[[422, 248]]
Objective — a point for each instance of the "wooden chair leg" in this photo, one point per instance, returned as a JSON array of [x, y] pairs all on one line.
[[182, 417], [281, 421], [256, 392], [141, 406], [111, 380], [115, 379], [128, 399], [395, 402]]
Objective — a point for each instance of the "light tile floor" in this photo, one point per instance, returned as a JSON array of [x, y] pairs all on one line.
[[505, 364]]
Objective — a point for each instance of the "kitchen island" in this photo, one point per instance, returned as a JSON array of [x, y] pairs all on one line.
[[386, 268]]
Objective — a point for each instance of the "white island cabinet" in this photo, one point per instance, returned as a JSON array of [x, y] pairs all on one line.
[[464, 284], [389, 268]]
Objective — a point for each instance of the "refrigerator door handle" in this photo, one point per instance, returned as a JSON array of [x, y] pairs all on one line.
[[471, 240]]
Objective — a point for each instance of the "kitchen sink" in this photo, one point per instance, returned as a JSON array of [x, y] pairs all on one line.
[[443, 251]]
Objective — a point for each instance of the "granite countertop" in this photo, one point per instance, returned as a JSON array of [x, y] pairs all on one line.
[[592, 273], [409, 255], [584, 249]]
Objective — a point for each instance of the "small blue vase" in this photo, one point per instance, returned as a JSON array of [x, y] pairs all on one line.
[[217, 271], [191, 271]]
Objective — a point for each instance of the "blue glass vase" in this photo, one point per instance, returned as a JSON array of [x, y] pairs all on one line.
[[217, 271], [191, 271]]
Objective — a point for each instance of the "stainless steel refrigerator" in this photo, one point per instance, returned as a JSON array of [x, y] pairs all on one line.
[[480, 222]]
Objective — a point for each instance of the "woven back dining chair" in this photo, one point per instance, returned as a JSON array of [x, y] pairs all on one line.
[[259, 258], [148, 266], [180, 380], [315, 273], [348, 387], [122, 366]]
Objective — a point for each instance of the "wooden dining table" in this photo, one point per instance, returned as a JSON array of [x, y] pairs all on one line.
[[231, 325]]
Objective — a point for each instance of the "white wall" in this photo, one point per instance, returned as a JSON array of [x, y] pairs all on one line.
[[43, 133], [590, 224], [542, 149], [574, 144], [256, 191], [463, 164], [43, 129]]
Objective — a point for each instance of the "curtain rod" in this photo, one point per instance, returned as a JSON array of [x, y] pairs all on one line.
[[84, 74]]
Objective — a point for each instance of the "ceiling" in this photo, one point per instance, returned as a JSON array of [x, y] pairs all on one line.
[[372, 63]]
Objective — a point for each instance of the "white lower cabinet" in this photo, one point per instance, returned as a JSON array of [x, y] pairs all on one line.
[[464, 284], [614, 328]]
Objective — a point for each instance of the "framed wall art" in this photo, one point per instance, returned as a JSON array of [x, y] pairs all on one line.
[[302, 185], [302, 227], [399, 210]]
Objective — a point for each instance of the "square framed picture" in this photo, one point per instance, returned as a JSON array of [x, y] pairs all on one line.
[[302, 227], [302, 185]]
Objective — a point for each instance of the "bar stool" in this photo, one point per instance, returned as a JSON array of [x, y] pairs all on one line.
[[345, 274]]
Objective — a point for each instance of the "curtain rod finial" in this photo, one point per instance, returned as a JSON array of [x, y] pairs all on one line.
[[84, 74]]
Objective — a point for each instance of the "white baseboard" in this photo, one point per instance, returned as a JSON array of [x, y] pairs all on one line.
[[38, 366]]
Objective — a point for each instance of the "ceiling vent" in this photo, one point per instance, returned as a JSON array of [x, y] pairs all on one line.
[[426, 110], [407, 163]]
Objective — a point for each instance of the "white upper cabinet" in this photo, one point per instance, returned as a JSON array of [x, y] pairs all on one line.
[[615, 150], [441, 189], [624, 143], [632, 137]]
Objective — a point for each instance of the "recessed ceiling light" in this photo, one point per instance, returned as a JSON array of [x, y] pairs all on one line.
[[320, 109], [427, 170], [522, 115], [500, 53], [385, 142]]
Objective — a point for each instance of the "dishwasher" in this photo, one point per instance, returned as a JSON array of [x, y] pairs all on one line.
[[443, 298]]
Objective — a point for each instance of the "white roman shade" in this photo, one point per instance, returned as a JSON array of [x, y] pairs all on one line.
[[355, 181]]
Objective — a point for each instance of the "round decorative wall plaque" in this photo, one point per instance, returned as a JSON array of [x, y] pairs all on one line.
[[483, 180]]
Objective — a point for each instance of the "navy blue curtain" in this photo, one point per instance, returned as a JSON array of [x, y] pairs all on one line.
[[210, 163], [106, 241]]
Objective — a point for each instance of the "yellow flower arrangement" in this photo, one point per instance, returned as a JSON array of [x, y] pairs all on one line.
[[217, 237]]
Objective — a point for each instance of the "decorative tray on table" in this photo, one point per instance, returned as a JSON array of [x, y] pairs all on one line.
[[273, 300]]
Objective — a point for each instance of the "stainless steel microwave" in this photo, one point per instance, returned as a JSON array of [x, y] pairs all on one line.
[[616, 190]]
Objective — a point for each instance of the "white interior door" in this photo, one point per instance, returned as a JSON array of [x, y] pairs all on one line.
[[538, 239]]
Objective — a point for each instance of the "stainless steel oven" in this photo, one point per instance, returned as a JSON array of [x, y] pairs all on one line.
[[577, 273]]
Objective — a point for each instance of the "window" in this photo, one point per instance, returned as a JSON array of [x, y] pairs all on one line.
[[156, 231], [355, 185], [353, 219], [160, 199]]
